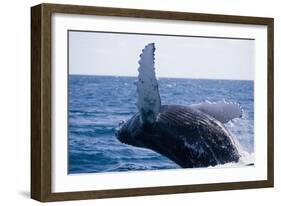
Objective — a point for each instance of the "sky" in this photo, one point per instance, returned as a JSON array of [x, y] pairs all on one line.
[[97, 53]]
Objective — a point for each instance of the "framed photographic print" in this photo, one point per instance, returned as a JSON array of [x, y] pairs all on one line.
[[128, 102]]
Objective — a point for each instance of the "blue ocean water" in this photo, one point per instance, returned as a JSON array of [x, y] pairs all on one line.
[[98, 103]]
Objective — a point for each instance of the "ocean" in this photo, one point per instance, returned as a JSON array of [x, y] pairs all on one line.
[[97, 104]]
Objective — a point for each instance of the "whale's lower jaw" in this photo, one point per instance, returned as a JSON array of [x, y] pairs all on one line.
[[188, 137]]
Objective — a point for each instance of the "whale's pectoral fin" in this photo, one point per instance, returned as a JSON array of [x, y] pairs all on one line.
[[149, 102], [222, 111]]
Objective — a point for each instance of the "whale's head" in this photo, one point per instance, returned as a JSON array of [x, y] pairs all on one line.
[[132, 132], [126, 132], [125, 137]]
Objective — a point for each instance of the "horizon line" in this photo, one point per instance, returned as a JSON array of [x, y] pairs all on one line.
[[157, 77]]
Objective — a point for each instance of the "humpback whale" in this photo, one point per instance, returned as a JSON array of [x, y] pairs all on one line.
[[191, 136]]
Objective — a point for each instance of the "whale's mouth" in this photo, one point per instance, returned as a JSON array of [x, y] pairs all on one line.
[[126, 136], [118, 129], [121, 135]]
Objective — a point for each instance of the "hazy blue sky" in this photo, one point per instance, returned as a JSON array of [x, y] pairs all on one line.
[[186, 57]]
